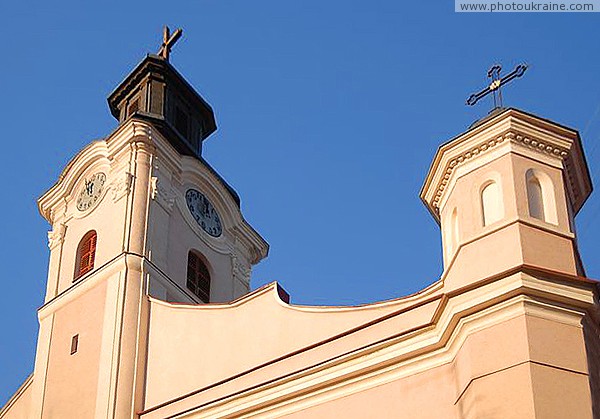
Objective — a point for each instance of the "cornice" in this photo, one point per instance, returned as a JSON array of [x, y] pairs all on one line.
[[170, 172], [259, 248], [116, 265], [112, 151], [97, 153], [516, 128]]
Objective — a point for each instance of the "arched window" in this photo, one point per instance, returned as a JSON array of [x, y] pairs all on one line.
[[454, 220], [198, 277], [540, 196], [491, 204], [535, 198], [451, 232], [86, 253]]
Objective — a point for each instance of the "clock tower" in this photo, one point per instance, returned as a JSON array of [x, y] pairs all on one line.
[[139, 213]]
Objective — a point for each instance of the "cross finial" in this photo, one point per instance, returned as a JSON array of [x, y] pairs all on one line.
[[168, 41], [496, 83]]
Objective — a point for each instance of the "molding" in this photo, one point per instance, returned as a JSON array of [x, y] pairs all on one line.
[[16, 396], [169, 284], [425, 346], [106, 152], [517, 128], [396, 357], [240, 269], [539, 145], [512, 136], [463, 158], [121, 187], [518, 364], [85, 283], [57, 235], [503, 224], [164, 196], [171, 172]]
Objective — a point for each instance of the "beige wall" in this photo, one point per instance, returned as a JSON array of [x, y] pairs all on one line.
[[560, 369], [428, 395], [592, 347], [71, 383], [181, 237], [110, 239], [222, 341]]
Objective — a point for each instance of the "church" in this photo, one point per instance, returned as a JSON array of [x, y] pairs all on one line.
[[148, 311]]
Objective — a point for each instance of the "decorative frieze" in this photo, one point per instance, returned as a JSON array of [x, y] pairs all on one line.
[[240, 269], [538, 145], [165, 197], [485, 146], [122, 186]]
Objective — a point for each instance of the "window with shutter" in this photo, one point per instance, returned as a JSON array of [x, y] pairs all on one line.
[[198, 277], [86, 253]]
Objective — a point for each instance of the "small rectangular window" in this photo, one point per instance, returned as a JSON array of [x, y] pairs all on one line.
[[74, 343]]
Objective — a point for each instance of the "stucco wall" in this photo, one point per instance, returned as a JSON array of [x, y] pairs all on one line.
[[427, 395], [71, 385], [222, 341]]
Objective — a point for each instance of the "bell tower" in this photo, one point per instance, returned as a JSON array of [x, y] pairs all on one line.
[[139, 213], [505, 193]]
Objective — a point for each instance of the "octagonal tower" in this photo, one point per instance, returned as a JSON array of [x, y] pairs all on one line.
[[505, 193]]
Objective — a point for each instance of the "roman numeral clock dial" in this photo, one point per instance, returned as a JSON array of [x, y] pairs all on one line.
[[203, 212]]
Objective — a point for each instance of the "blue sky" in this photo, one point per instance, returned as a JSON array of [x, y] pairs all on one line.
[[329, 114]]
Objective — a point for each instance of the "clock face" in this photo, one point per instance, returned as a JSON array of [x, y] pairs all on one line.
[[203, 212], [91, 191]]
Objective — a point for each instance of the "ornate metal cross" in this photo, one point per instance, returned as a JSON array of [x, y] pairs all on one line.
[[496, 83], [168, 42]]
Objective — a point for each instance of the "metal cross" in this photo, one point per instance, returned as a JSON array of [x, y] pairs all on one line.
[[496, 83], [168, 42]]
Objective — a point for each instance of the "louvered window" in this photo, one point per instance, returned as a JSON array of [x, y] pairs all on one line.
[[86, 252], [198, 277], [133, 107], [181, 122]]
